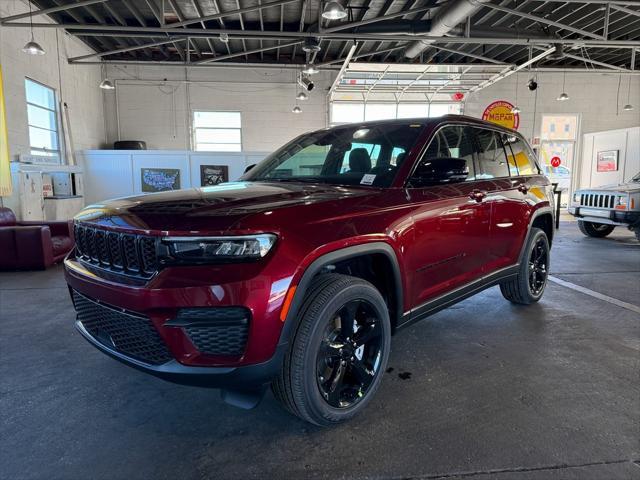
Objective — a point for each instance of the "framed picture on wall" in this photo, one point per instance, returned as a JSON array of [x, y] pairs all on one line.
[[159, 179], [213, 174], [607, 161]]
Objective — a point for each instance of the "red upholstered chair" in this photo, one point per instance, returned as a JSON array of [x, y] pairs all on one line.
[[32, 245]]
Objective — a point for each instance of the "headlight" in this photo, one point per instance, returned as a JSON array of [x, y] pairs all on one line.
[[576, 197], [223, 249]]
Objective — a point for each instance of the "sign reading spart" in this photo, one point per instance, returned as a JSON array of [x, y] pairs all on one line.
[[500, 112]]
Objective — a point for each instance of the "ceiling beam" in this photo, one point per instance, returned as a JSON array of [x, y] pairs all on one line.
[[536, 18], [122, 50], [246, 52], [229, 13], [46, 11], [122, 31], [628, 11], [511, 70]]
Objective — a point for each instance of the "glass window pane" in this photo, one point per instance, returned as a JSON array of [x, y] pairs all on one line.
[[521, 156], [412, 110], [347, 112], [216, 119], [39, 117], [218, 147], [346, 155], [379, 111], [559, 127], [491, 157], [40, 95], [438, 109], [45, 139], [218, 135]]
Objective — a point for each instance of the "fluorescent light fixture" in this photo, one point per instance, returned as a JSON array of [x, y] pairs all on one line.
[[334, 11]]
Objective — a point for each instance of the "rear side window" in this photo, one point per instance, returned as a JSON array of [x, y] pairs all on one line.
[[492, 159], [520, 155], [453, 141]]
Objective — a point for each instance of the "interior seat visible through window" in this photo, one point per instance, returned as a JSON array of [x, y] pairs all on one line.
[[359, 160]]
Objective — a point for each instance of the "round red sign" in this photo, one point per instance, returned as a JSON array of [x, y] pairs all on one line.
[[555, 162]]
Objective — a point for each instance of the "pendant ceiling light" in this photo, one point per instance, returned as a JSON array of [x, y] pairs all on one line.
[[32, 47], [334, 11], [302, 96], [564, 96], [310, 69], [628, 107], [296, 109], [106, 84]]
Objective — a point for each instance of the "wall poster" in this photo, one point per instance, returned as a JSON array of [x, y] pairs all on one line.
[[160, 179], [607, 161], [213, 174]]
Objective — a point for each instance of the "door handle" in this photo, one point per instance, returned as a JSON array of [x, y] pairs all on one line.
[[523, 188], [478, 195]]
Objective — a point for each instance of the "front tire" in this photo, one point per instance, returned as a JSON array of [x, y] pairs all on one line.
[[528, 285], [339, 352], [597, 230]]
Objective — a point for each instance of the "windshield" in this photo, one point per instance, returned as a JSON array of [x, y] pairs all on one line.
[[348, 155]]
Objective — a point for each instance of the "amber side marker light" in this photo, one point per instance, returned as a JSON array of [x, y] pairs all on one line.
[[287, 303]]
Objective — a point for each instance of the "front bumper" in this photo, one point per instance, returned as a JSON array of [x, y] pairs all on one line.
[[240, 378], [608, 217]]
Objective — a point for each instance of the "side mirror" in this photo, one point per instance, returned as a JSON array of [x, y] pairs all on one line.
[[249, 167], [439, 171]]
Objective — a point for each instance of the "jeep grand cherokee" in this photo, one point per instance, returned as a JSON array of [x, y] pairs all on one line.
[[297, 275]]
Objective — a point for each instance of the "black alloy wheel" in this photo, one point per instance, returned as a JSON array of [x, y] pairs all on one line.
[[527, 286], [538, 266], [339, 353], [350, 354]]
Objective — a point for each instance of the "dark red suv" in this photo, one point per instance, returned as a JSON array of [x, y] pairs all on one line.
[[298, 274]]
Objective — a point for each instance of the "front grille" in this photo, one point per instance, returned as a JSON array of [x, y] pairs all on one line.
[[597, 200], [124, 253], [130, 334], [216, 331]]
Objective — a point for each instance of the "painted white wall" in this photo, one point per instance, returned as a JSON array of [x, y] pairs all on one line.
[[117, 173], [626, 141], [75, 85], [154, 104], [593, 96]]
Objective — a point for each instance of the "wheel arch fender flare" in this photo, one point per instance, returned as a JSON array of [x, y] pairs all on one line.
[[370, 248], [536, 214]]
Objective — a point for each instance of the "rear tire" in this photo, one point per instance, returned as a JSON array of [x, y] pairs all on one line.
[[597, 230], [335, 365], [528, 285]]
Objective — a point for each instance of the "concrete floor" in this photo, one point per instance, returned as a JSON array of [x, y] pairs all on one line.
[[495, 391]]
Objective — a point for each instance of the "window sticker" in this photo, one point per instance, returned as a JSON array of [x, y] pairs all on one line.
[[367, 179]]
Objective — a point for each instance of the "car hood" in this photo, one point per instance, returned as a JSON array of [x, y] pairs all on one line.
[[216, 208], [628, 187]]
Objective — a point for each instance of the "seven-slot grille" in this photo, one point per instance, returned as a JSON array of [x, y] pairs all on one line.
[[130, 334], [597, 200], [124, 253]]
